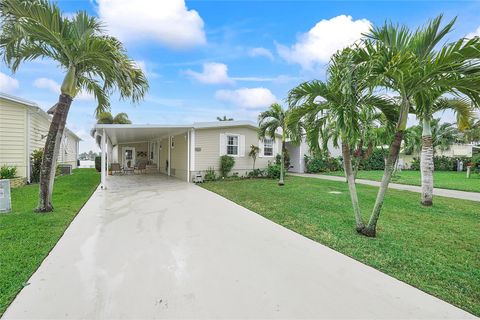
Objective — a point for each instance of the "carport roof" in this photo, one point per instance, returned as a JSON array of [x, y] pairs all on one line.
[[126, 133]]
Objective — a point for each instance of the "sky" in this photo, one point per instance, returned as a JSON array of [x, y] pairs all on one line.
[[205, 59]]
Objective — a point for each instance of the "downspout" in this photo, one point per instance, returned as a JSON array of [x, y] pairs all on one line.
[[28, 171], [169, 159], [103, 162]]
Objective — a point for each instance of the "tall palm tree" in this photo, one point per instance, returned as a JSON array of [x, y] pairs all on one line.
[[92, 61], [272, 120], [335, 106], [399, 58]]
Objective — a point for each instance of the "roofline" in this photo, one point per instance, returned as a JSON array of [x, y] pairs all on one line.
[[139, 126], [34, 106]]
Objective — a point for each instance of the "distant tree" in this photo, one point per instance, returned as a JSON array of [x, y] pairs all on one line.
[[224, 118], [443, 136], [108, 118]]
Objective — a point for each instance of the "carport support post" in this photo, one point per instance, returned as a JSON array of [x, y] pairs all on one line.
[[104, 158], [169, 158]]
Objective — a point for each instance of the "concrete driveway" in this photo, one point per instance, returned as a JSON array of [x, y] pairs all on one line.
[[153, 247]]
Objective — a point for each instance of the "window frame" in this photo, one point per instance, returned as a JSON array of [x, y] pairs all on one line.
[[272, 147], [227, 136]]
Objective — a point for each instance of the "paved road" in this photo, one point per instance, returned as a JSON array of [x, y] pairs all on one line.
[[464, 195], [151, 247]]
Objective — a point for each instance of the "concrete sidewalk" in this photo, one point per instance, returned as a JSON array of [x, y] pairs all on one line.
[[464, 195], [150, 247]]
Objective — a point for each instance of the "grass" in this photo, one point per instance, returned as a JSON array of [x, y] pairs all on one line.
[[441, 179], [435, 249], [27, 237]]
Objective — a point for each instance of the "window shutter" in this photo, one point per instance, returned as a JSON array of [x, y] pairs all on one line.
[[260, 146], [223, 144], [241, 152]]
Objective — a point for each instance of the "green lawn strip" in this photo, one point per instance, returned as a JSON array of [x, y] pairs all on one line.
[[441, 179], [432, 248], [27, 237]]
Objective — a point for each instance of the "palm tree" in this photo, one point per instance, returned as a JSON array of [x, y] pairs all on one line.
[[428, 103], [107, 118], [405, 63], [224, 118], [253, 153], [332, 109], [93, 62], [472, 134], [272, 120]]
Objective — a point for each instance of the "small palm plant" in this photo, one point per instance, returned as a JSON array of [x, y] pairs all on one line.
[[92, 61], [253, 154]]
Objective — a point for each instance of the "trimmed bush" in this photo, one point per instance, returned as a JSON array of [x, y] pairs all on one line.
[[443, 163], [226, 165], [7, 172], [318, 164], [375, 161], [256, 173], [210, 175], [36, 163], [273, 171]]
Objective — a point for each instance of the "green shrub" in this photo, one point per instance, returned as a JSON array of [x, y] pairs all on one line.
[[415, 164], [210, 174], [443, 163], [36, 163], [315, 164], [375, 161], [256, 173], [98, 163], [226, 165], [273, 171], [286, 159], [7, 172]]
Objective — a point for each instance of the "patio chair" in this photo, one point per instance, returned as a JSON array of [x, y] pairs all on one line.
[[116, 168], [142, 166]]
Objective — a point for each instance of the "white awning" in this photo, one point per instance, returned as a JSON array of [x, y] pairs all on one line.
[[128, 133]]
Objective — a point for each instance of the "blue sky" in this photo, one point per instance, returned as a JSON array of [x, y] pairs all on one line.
[[212, 58]]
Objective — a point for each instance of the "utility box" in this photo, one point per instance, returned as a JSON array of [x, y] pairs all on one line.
[[65, 169], [5, 199]]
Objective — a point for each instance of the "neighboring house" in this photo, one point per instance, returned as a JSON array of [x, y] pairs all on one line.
[[457, 150], [183, 151], [23, 129], [297, 154]]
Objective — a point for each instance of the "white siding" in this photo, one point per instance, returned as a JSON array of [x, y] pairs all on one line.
[[208, 149], [13, 135]]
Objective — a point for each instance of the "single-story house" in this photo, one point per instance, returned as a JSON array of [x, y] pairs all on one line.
[[183, 151], [23, 129]]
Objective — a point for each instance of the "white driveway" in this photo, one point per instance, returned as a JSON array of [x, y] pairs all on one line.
[[150, 247]]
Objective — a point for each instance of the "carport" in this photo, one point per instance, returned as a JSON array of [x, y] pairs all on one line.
[[165, 149]]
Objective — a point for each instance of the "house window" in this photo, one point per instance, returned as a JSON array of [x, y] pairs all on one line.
[[232, 145], [268, 147]]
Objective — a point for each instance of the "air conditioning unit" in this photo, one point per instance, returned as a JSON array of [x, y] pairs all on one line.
[[5, 200], [65, 169]]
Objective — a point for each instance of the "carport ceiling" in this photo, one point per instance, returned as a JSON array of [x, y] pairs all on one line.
[[132, 133]]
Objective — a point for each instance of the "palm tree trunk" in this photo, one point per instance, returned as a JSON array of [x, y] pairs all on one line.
[[281, 182], [371, 229], [426, 164], [347, 165], [50, 153]]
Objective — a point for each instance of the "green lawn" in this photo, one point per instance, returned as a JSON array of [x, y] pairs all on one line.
[[433, 248], [441, 179], [27, 237]]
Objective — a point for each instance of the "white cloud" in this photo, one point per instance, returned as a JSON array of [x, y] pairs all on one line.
[[212, 73], [324, 39], [53, 86], [7, 83], [249, 98], [261, 52], [167, 21], [471, 35]]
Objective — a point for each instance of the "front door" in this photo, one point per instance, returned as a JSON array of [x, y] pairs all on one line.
[[128, 158]]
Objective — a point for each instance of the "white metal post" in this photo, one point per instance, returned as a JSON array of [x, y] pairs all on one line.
[[188, 155], [104, 158], [169, 158]]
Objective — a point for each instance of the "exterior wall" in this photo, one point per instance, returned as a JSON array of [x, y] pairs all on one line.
[[207, 149], [13, 133], [139, 147], [178, 157], [456, 150]]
